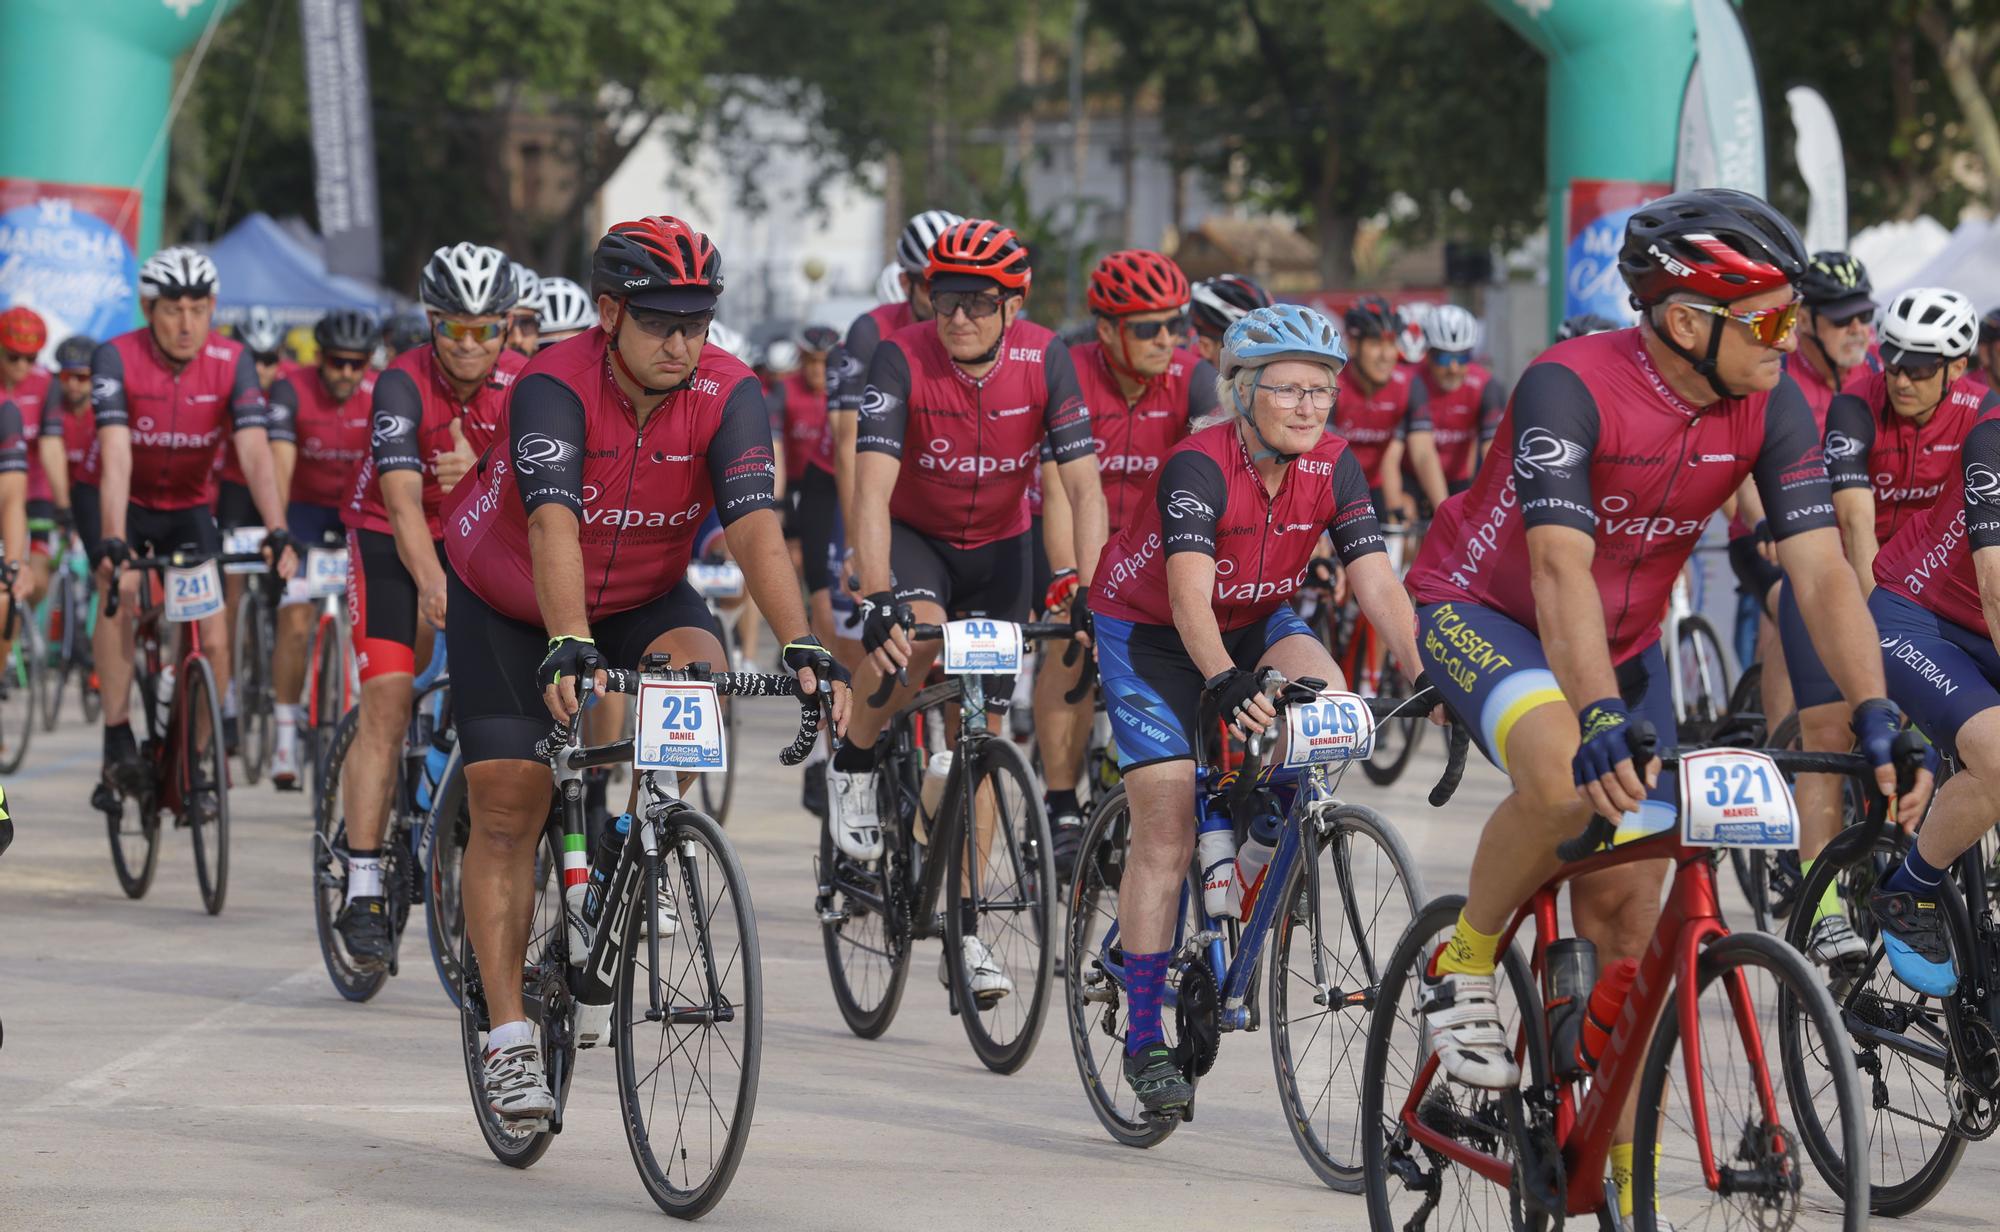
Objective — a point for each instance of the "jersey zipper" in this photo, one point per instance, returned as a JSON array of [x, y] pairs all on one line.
[[631, 477]]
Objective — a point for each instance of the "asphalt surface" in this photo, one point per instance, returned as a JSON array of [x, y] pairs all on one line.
[[162, 1069]]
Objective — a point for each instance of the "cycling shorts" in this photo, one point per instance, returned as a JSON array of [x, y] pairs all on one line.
[[989, 580], [1152, 689], [382, 605], [818, 521], [160, 531], [1811, 684], [790, 511], [1491, 670], [41, 528], [87, 507], [234, 507], [315, 526], [1940, 672], [495, 701], [1755, 576]]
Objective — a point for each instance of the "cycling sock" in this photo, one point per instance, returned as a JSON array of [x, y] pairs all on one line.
[[118, 739], [508, 1034], [1062, 802], [287, 716], [364, 874], [1829, 902], [818, 754], [229, 701], [1914, 875], [1145, 987], [854, 759], [1621, 1176], [1469, 952]]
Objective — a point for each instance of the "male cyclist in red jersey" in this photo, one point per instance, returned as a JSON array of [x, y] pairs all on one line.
[[23, 334], [1988, 354], [17, 337], [802, 395], [524, 321], [571, 543], [1143, 390], [432, 412], [951, 429], [1215, 304], [72, 465], [165, 396], [1541, 588], [1463, 396], [330, 419], [1382, 413]]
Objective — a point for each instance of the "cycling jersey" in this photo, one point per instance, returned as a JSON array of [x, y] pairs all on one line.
[[1595, 439], [976, 442], [805, 425], [1906, 465], [79, 433], [1132, 439], [872, 326], [1369, 421], [40, 407], [1930, 560], [1462, 418], [281, 411], [570, 437], [332, 436], [177, 417], [1209, 498], [13, 437], [412, 412], [1750, 567], [846, 382]]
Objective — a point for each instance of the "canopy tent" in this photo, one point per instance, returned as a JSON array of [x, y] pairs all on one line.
[[1969, 263], [263, 263]]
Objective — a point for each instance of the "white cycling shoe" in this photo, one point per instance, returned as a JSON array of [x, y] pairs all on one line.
[[1834, 943], [1463, 1029], [285, 764], [852, 813], [989, 982], [516, 1089]]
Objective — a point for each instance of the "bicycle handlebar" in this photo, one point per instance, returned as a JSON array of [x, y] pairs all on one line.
[[1031, 631], [1284, 693], [177, 560], [555, 746]]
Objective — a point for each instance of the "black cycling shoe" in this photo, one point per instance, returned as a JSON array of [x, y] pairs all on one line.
[[125, 768], [1066, 843], [1157, 1080], [812, 792], [364, 928], [1916, 941], [232, 736]]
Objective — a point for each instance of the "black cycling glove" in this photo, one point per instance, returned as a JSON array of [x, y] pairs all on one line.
[[568, 657], [1232, 691], [807, 652], [880, 614]]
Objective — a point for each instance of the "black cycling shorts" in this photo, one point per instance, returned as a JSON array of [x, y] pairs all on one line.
[[87, 508], [497, 704], [1041, 574], [989, 580], [790, 513], [817, 518], [234, 508], [1755, 576], [160, 531], [315, 526], [382, 605]]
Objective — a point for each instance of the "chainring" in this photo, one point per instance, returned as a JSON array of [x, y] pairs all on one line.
[[1198, 1019]]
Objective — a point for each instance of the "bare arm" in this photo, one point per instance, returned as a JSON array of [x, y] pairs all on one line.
[[1854, 508], [284, 460], [1058, 533], [55, 464], [1570, 613], [875, 476], [14, 515], [403, 496], [1429, 467], [260, 474], [1986, 564], [843, 471], [1086, 511], [114, 476], [556, 556], [1191, 594]]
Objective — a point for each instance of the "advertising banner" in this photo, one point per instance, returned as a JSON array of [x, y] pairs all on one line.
[[68, 252], [1595, 214]]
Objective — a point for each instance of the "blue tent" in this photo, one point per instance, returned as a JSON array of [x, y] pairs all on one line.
[[262, 263]]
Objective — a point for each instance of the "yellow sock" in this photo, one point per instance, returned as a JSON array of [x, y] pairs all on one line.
[[1621, 1176], [1469, 952]]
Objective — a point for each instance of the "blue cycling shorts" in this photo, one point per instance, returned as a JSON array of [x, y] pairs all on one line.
[[1152, 689], [1940, 672], [1812, 685]]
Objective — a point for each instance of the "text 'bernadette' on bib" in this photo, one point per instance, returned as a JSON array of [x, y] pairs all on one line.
[[326, 572], [1733, 798], [680, 728], [1332, 727], [241, 541], [194, 593], [723, 580], [981, 647]]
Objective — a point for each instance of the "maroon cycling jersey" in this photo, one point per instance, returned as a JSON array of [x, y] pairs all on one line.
[[13, 437], [968, 447], [1463, 417], [1208, 497], [1819, 396], [280, 413], [332, 436], [846, 381], [1906, 465], [178, 417], [1369, 421], [868, 330], [1132, 438], [36, 398], [79, 433], [805, 424], [1929, 562], [411, 414], [1595, 439], [571, 437]]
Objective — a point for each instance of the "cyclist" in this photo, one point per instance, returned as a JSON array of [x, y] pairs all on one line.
[[165, 395], [1191, 600], [1143, 389], [570, 543], [1541, 590], [405, 331], [566, 311], [1464, 398], [331, 411], [432, 411], [524, 321], [1217, 303], [23, 334], [802, 396], [913, 249], [235, 508], [19, 336], [951, 428], [1412, 337], [1382, 414], [73, 483], [1988, 353]]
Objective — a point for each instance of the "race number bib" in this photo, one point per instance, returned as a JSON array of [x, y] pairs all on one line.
[[722, 580], [982, 647], [680, 728], [326, 572], [194, 593], [1731, 798], [1332, 727], [240, 541]]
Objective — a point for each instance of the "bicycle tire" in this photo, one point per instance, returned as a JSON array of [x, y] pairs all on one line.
[[1801, 985], [1405, 733], [699, 913], [328, 702], [1308, 1117], [20, 700], [1030, 874], [87, 691], [449, 829], [255, 718], [352, 980], [204, 781], [716, 791], [1710, 663], [135, 869], [866, 920], [58, 661]]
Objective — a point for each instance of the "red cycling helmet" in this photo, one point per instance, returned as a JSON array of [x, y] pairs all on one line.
[[1713, 242], [23, 331], [979, 248], [659, 263], [1372, 316], [1137, 280]]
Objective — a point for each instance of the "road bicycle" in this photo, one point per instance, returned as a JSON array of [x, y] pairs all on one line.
[[714, 582], [66, 619], [22, 680], [1364, 661], [252, 642]]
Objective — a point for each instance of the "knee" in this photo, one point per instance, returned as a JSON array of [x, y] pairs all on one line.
[[1548, 787], [1824, 728]]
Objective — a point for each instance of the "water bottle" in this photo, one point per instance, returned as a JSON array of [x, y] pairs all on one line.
[[1565, 989], [436, 754], [1215, 852], [936, 771], [1253, 859], [601, 868], [1606, 1001]]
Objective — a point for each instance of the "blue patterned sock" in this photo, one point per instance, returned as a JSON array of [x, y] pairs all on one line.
[[1145, 987], [1915, 874]]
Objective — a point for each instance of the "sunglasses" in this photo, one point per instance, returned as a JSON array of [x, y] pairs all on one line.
[[75, 374], [344, 363], [1915, 373], [1450, 359], [665, 325], [977, 305], [1146, 331], [464, 331], [264, 358], [1865, 317], [17, 357], [1770, 326]]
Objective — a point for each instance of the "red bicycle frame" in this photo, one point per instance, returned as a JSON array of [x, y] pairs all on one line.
[[327, 627], [168, 753]]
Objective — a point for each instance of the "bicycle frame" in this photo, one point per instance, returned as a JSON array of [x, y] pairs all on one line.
[[968, 693]]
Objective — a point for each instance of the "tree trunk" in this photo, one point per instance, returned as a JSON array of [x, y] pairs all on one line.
[[1333, 227], [1954, 49], [940, 151], [1128, 169]]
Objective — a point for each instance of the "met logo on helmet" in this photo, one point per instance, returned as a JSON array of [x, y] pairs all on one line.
[[1671, 264]]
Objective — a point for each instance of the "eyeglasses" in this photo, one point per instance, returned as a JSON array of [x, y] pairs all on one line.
[[344, 363], [1915, 373], [977, 304], [664, 325], [265, 359], [467, 331], [1288, 397], [17, 357], [1146, 331], [1770, 326], [1450, 359]]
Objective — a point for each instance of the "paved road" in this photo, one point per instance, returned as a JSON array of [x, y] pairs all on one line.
[[163, 1069]]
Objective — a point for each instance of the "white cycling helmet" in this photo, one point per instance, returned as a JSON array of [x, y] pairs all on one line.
[[565, 306], [720, 335], [527, 288], [1451, 328], [889, 287], [1411, 320], [260, 331], [469, 280], [1929, 321], [913, 247], [177, 273], [782, 356]]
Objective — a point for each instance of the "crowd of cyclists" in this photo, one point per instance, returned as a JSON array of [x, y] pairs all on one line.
[[527, 467]]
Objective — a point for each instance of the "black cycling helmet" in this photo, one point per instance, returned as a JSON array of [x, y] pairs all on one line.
[[817, 339], [406, 331], [347, 329], [1371, 316], [1836, 286], [1989, 328], [1217, 303], [1582, 325], [74, 352]]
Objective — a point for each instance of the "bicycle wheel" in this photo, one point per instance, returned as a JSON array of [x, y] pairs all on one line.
[[450, 827], [1704, 672], [865, 926], [1746, 985], [58, 661], [717, 790], [1093, 993], [1001, 887], [1407, 1183], [329, 702], [204, 771], [135, 846], [1327, 956], [687, 1085], [354, 980], [20, 700], [545, 988], [1901, 1049], [1396, 739], [255, 714]]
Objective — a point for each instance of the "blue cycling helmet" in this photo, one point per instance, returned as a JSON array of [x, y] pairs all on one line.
[[1268, 335]]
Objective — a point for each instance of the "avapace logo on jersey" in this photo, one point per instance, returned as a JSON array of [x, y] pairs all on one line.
[[1252, 590], [1888, 493], [937, 456], [597, 515], [1130, 567], [146, 436], [1125, 463], [1616, 518]]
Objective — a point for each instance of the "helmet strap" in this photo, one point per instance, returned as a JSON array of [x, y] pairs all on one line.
[[611, 345], [1121, 360], [1265, 449], [1825, 356], [1705, 365]]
